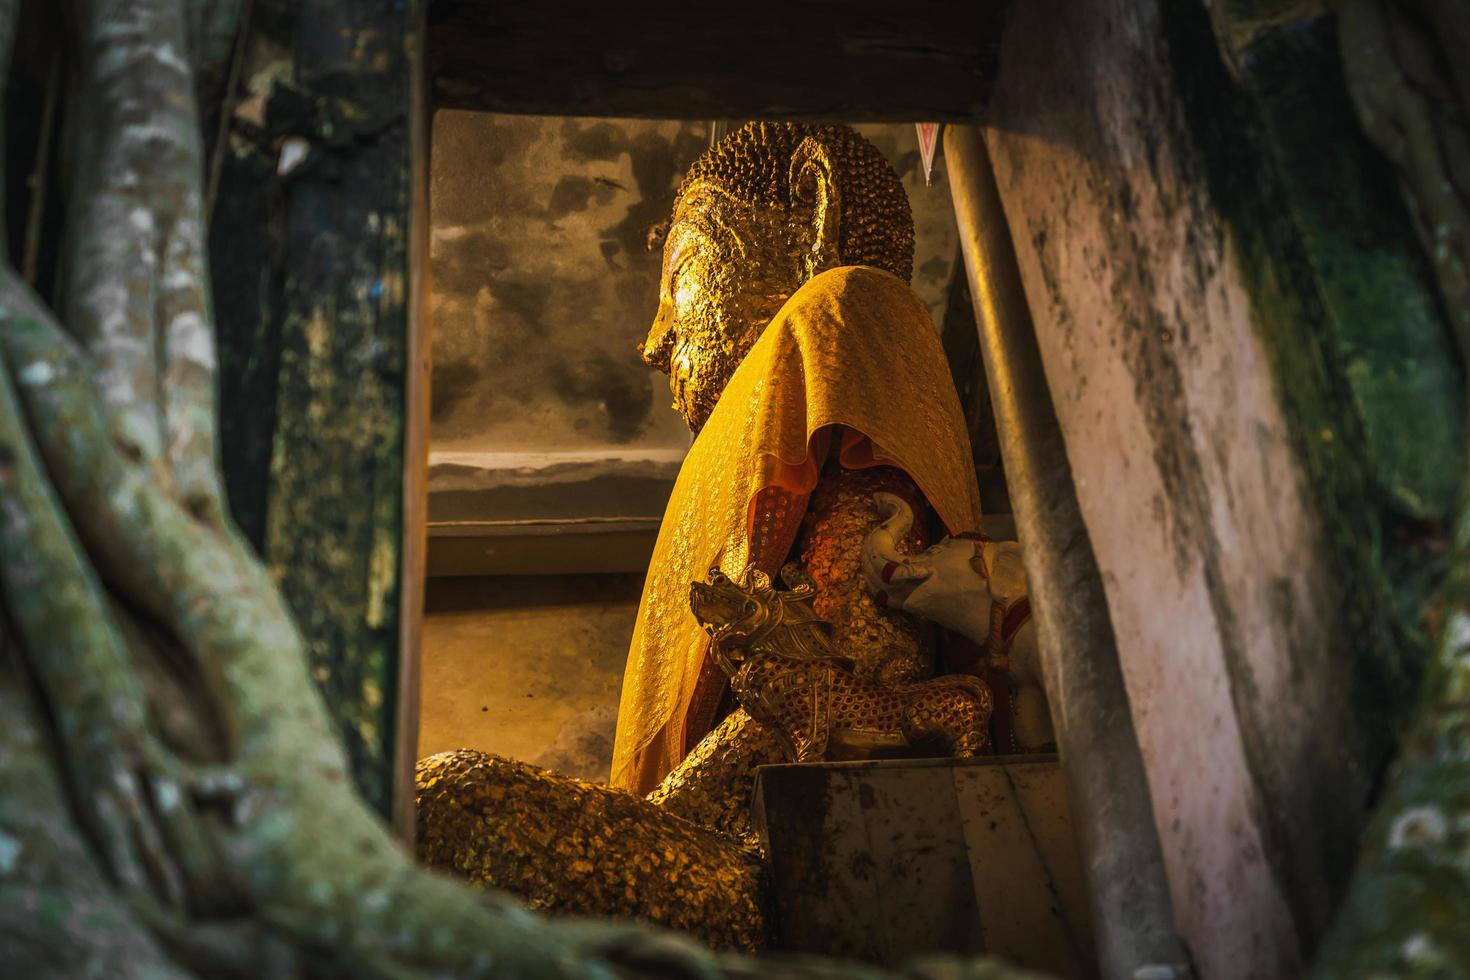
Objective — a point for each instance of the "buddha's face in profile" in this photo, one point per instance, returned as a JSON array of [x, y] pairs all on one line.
[[767, 209], [729, 265]]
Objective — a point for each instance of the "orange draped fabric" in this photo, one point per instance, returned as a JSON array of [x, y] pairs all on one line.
[[852, 356]]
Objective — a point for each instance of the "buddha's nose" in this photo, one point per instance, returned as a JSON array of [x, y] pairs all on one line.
[[657, 348]]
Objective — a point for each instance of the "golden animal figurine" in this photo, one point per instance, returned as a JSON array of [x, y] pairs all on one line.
[[782, 670]]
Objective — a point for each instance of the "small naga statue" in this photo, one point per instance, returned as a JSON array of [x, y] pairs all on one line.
[[784, 673]]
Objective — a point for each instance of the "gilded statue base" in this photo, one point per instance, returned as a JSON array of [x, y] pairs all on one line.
[[570, 847], [713, 786]]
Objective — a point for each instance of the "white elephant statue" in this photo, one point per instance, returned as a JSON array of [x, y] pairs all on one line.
[[967, 585]]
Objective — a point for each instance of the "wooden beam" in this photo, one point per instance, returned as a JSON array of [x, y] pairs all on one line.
[[866, 61]]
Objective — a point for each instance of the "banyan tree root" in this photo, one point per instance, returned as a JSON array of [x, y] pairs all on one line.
[[270, 830], [173, 800]]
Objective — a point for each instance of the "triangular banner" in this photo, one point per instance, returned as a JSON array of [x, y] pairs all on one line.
[[928, 140]]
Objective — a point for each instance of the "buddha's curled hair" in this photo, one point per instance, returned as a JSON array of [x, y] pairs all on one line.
[[876, 226]]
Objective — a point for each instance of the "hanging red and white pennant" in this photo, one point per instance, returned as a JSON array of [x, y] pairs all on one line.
[[928, 140]]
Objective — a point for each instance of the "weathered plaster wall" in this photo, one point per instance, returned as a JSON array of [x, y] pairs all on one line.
[[1191, 346], [527, 667], [542, 281], [936, 239], [543, 285]]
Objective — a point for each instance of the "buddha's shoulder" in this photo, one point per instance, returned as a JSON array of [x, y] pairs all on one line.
[[854, 295], [858, 283]]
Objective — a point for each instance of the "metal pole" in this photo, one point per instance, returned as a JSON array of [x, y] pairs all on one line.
[[1112, 810]]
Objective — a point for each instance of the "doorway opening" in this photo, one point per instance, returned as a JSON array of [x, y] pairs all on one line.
[[553, 448]]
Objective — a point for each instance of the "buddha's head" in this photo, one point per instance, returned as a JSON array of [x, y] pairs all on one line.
[[766, 209]]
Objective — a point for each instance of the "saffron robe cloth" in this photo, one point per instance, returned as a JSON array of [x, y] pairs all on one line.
[[852, 359]]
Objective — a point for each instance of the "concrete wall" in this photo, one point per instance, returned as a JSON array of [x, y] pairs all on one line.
[[542, 284], [527, 667]]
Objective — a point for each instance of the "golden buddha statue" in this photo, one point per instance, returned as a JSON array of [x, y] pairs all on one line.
[[813, 378]]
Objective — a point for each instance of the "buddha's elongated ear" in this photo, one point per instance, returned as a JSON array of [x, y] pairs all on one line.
[[814, 194]]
